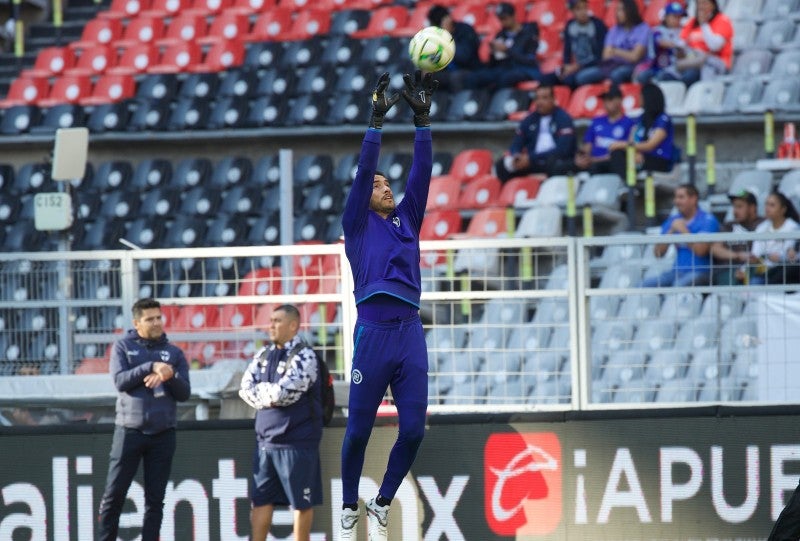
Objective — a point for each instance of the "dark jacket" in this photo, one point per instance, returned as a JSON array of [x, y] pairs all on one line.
[[523, 47], [585, 49], [561, 128], [467, 44], [132, 359]]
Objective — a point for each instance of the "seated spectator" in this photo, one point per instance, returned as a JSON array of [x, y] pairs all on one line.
[[653, 137], [467, 43], [770, 257], [664, 48], [709, 44], [624, 47], [512, 56], [693, 259], [544, 142], [594, 154], [729, 255], [584, 36]]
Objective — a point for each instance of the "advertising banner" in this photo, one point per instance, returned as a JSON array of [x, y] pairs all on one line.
[[662, 478]]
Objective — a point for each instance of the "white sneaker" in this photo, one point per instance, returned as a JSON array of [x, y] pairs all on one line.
[[349, 525], [377, 521]]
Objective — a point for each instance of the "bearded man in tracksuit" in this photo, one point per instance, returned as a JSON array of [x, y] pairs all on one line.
[[382, 245], [151, 376]]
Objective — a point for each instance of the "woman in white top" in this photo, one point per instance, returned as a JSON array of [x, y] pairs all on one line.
[[773, 255]]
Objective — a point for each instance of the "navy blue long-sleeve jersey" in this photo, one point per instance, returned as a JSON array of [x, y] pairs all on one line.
[[384, 254]]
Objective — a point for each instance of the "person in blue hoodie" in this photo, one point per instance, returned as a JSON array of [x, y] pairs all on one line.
[[282, 384], [381, 241], [151, 376]]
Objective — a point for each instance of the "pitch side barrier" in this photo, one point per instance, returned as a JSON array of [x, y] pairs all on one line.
[[663, 474], [512, 324]]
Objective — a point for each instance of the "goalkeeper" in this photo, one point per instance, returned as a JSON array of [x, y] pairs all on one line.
[[382, 245]]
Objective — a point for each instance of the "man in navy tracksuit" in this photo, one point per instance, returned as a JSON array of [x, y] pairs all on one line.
[[382, 245], [151, 376]]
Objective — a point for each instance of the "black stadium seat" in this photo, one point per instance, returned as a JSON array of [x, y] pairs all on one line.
[[149, 115], [64, 115], [19, 119], [239, 82], [190, 113], [161, 202], [191, 172], [108, 117], [201, 201], [151, 173], [231, 171]]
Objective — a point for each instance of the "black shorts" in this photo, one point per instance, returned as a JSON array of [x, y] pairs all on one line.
[[286, 476]]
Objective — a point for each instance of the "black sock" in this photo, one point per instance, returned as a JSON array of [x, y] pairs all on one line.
[[353, 506], [383, 502]]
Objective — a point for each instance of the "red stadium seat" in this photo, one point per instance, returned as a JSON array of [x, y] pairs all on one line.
[[631, 96], [586, 102], [93, 365], [51, 62], [202, 353], [135, 59], [230, 26], [180, 57], [359, 4], [263, 316], [98, 32], [417, 20], [271, 25], [441, 224], [489, 222], [550, 16], [307, 24], [169, 315], [221, 56], [93, 60], [189, 27], [598, 8], [124, 9], [141, 30], [265, 281], [471, 164], [481, 193], [384, 20], [252, 7], [197, 317], [444, 192], [209, 7], [551, 44], [166, 8], [477, 15], [520, 190], [111, 89], [654, 11], [237, 316], [67, 89]]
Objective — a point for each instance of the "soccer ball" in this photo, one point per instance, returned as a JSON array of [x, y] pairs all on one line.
[[432, 48]]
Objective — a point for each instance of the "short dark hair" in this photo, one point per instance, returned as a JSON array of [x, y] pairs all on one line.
[[144, 304], [691, 189], [436, 14], [548, 86], [290, 309], [381, 174]]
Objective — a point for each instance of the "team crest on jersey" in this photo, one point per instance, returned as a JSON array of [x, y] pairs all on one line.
[[356, 376], [396, 221], [164, 356], [618, 132]]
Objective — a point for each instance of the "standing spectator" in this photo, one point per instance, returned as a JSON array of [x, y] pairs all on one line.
[[584, 36], [381, 240], [653, 137], [283, 386], [770, 256], [544, 142], [734, 253], [625, 46], [709, 44], [693, 260], [467, 43], [615, 126], [151, 376], [512, 53], [665, 46]]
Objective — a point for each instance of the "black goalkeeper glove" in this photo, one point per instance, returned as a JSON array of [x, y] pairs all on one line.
[[417, 93], [381, 103]]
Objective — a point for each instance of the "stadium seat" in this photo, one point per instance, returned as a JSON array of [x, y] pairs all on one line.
[[221, 56], [520, 192], [384, 21], [737, 335], [347, 21], [141, 30], [476, 15], [201, 201], [471, 164], [158, 88], [654, 335], [541, 221], [506, 102], [703, 97], [160, 202], [585, 101], [742, 93], [110, 88], [441, 224], [25, 91], [124, 9], [305, 53], [621, 277], [225, 230], [196, 318], [756, 180], [468, 106], [237, 316], [67, 89], [120, 204], [210, 8], [227, 26], [654, 12], [779, 95], [98, 31], [319, 80], [252, 7], [263, 54], [674, 94], [443, 193], [146, 233], [681, 306], [325, 198], [308, 23], [775, 34], [64, 115], [488, 222], [166, 8], [149, 115], [93, 61], [179, 57], [751, 63], [50, 62], [744, 34], [780, 9], [185, 27], [270, 25], [264, 281], [152, 173], [553, 191], [481, 192], [742, 9], [551, 45], [609, 338]]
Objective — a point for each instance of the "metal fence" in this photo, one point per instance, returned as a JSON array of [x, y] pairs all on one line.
[[511, 324]]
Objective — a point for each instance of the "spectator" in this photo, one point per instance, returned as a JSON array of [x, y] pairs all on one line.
[[584, 36], [625, 46], [734, 253], [544, 142], [280, 384], [653, 137], [151, 376], [664, 47], [467, 43], [512, 53], [614, 126], [770, 257], [693, 260], [709, 44]]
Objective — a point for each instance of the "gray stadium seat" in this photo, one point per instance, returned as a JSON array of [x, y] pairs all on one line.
[[709, 364], [780, 9], [610, 337], [667, 365], [528, 338], [541, 221], [790, 185], [698, 333], [621, 277], [742, 93], [720, 390], [604, 307], [503, 392], [615, 254], [775, 34], [722, 306], [738, 334], [742, 9], [553, 191], [674, 94], [755, 180], [703, 97], [654, 335], [779, 95], [558, 278], [543, 365], [639, 307], [751, 63], [744, 33], [602, 193], [678, 390], [681, 306], [551, 310], [504, 312], [786, 64]]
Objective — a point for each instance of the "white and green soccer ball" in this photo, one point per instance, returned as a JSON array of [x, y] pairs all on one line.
[[432, 48]]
